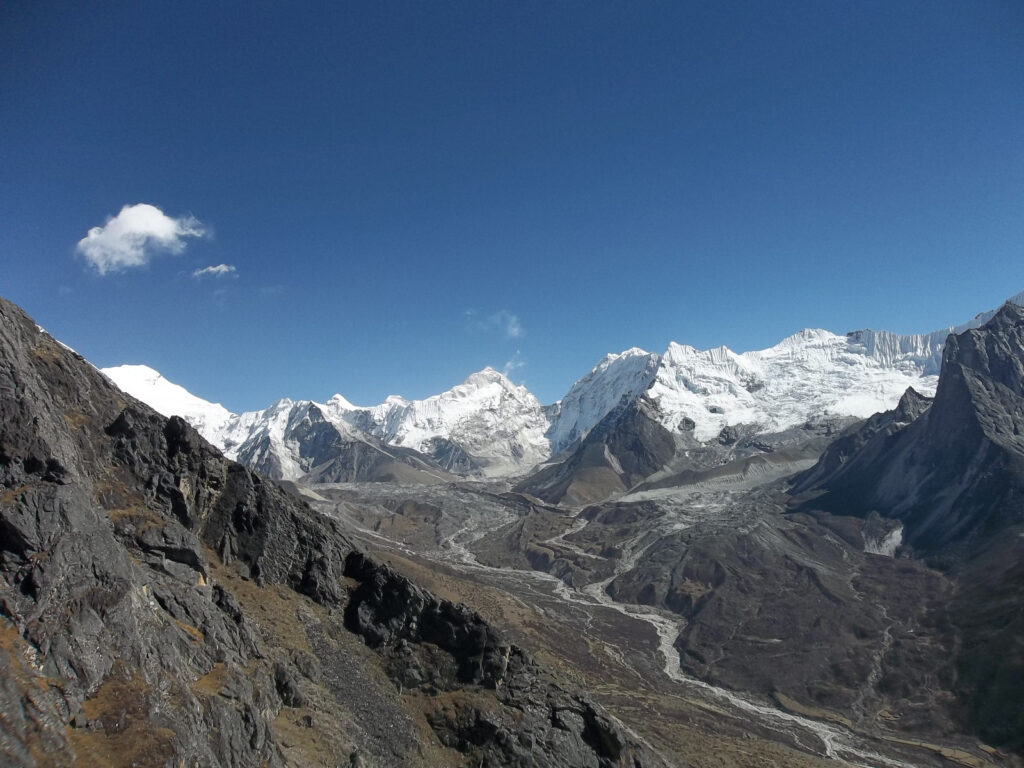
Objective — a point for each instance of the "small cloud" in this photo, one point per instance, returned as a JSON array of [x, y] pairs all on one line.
[[132, 237], [221, 270], [509, 323], [515, 363], [502, 320]]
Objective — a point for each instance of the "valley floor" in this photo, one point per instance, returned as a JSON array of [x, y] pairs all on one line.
[[568, 584]]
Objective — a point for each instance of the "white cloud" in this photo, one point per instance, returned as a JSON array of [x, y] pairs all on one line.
[[221, 270], [134, 235], [513, 364], [503, 321], [509, 323]]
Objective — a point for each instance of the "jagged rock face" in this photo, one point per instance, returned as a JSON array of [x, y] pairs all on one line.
[[161, 605], [110, 616], [550, 727], [954, 476], [82, 616]]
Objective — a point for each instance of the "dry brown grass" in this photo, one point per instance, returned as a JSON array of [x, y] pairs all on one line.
[[11, 494], [194, 632], [212, 682], [271, 609], [128, 738], [76, 419]]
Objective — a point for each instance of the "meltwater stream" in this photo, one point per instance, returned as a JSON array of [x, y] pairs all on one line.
[[820, 738]]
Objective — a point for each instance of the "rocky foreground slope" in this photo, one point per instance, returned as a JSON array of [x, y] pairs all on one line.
[[161, 605]]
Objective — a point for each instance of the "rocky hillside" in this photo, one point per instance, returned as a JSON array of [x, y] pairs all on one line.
[[951, 475], [161, 605], [954, 474]]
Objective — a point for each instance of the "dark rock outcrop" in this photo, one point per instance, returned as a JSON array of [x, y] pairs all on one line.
[[438, 646], [955, 473], [107, 608]]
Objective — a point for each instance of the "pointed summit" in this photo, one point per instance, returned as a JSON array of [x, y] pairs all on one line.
[[487, 376]]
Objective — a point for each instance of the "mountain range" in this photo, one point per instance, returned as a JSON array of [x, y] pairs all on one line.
[[488, 427]]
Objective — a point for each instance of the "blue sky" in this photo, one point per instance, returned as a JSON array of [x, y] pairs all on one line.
[[408, 192]]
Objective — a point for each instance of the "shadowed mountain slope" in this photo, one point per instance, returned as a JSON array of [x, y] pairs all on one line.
[[953, 475]]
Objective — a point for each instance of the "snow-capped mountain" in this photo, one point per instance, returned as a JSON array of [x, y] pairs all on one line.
[[811, 373], [617, 377], [498, 423], [142, 382], [487, 426]]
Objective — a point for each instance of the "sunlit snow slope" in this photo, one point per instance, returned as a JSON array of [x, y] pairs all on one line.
[[169, 399]]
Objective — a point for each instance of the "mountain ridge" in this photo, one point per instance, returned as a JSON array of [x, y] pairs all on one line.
[[489, 427]]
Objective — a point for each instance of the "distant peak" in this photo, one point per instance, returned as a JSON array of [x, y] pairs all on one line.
[[339, 402], [631, 352], [1011, 309], [806, 336], [487, 376], [676, 349]]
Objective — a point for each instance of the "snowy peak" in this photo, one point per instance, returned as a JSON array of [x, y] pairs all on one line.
[[810, 373], [339, 403], [488, 416], [487, 377], [489, 425], [169, 399], [617, 377]]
